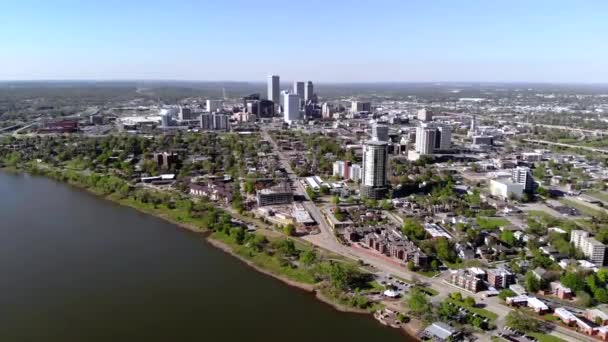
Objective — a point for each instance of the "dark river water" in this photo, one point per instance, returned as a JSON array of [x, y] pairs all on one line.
[[74, 267]]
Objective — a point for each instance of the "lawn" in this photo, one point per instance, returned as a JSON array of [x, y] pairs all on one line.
[[481, 312], [546, 338], [601, 195], [266, 261], [582, 208], [491, 223], [542, 215], [428, 291]]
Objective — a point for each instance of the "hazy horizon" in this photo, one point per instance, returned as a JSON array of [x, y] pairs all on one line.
[[386, 41]]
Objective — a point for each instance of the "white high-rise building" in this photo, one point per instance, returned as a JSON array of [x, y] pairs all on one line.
[[327, 110], [213, 105], [355, 172], [425, 115], [308, 91], [473, 130], [379, 132], [274, 92], [594, 250], [522, 175], [425, 140], [375, 167], [292, 107], [358, 106]]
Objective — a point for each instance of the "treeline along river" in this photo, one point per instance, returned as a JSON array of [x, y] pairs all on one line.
[[75, 267]]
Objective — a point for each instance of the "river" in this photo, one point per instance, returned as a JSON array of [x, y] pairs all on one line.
[[74, 267]]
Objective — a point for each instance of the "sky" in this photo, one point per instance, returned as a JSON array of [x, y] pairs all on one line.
[[319, 40]]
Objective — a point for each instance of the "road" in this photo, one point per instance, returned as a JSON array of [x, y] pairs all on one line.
[[545, 142], [328, 241]]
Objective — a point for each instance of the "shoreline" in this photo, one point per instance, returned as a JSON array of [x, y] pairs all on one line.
[[310, 288]]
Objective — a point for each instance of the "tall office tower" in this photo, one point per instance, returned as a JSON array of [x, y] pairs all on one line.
[[523, 176], [206, 121], [308, 91], [425, 140], [425, 115], [213, 105], [358, 106], [221, 122], [185, 113], [443, 139], [375, 168], [273, 93], [292, 107], [327, 110], [214, 122], [379, 132], [298, 88]]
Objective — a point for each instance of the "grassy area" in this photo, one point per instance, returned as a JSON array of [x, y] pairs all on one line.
[[582, 208], [179, 214], [541, 215], [491, 223], [429, 274], [541, 337], [265, 261], [481, 312], [601, 195], [428, 291]]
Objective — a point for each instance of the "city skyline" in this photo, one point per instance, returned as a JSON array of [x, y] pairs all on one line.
[[340, 42]]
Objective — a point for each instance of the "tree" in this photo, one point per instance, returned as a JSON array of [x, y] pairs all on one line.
[[506, 293], [601, 295], [324, 190], [531, 283], [521, 322], [311, 193], [573, 281], [335, 200], [507, 237], [289, 230], [249, 186], [238, 234], [258, 242], [411, 266], [457, 296], [285, 247], [386, 205], [469, 301], [447, 311], [413, 229], [602, 275], [602, 235], [434, 265], [583, 298], [478, 322], [444, 251], [308, 257], [417, 302]]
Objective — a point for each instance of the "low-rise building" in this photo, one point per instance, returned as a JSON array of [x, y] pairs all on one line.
[[500, 278], [466, 280], [276, 195]]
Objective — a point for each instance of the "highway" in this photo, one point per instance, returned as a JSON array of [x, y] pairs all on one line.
[[551, 143]]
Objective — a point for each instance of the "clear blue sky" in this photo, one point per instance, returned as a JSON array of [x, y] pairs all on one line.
[[320, 40]]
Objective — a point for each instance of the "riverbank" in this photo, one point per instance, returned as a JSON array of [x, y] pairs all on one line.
[[176, 217]]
